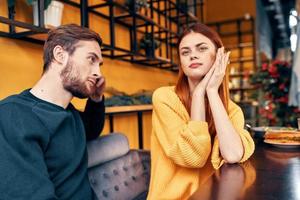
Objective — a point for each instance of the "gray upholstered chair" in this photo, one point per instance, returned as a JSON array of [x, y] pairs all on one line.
[[116, 172]]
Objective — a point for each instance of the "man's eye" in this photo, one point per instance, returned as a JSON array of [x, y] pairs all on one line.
[[91, 59]]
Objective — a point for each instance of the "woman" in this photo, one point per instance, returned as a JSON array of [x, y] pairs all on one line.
[[195, 126]]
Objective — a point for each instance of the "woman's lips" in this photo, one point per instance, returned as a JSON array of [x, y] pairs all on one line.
[[195, 65]]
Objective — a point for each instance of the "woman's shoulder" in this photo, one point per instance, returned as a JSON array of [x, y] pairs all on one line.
[[233, 107], [165, 94], [166, 97]]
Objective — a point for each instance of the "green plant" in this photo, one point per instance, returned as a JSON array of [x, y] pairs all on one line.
[[118, 98], [147, 43], [12, 3], [139, 4]]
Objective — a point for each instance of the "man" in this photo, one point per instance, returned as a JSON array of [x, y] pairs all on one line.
[[42, 136]]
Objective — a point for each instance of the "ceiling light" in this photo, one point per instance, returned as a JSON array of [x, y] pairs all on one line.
[[294, 12], [293, 40], [293, 20]]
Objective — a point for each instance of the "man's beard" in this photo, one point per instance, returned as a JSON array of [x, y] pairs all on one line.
[[72, 83]]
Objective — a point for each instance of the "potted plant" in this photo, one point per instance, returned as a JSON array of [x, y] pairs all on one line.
[[52, 11], [147, 42], [12, 3], [139, 4], [183, 6]]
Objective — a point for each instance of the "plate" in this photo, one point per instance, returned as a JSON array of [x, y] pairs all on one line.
[[283, 144]]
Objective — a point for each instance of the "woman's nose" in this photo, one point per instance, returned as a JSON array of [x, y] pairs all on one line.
[[193, 57]]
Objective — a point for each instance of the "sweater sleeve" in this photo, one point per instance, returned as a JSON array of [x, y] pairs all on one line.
[[186, 143], [23, 172], [237, 118], [93, 118]]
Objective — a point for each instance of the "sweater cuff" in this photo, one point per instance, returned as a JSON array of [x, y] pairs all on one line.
[[248, 145], [95, 107], [216, 159]]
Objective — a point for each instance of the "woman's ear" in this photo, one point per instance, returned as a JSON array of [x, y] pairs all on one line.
[[60, 55]]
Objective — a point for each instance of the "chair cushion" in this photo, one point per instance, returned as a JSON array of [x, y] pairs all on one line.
[[107, 147], [126, 177]]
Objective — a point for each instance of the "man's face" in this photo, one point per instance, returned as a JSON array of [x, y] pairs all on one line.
[[82, 70]]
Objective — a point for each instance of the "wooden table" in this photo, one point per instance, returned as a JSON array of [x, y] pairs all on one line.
[[272, 173]]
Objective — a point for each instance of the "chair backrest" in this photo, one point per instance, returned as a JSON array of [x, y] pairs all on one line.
[[124, 177]]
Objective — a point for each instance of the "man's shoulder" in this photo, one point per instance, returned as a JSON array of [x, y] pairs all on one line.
[[17, 101], [9, 99], [18, 116]]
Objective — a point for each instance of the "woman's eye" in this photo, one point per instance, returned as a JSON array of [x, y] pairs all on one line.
[[202, 48], [185, 53]]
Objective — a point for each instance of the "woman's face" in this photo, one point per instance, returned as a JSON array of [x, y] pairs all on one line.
[[197, 55]]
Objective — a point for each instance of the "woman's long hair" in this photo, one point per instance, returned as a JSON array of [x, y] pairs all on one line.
[[182, 87]]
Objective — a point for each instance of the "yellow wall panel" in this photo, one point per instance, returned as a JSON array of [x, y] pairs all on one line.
[[127, 124], [247, 52], [147, 129], [21, 65], [217, 10], [70, 15]]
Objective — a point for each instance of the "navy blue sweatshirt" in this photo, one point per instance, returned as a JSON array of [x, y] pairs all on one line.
[[43, 148]]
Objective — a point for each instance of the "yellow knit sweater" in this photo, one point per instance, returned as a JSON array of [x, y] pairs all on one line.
[[180, 147]]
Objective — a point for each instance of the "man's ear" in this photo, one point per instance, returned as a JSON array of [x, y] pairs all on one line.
[[60, 55]]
